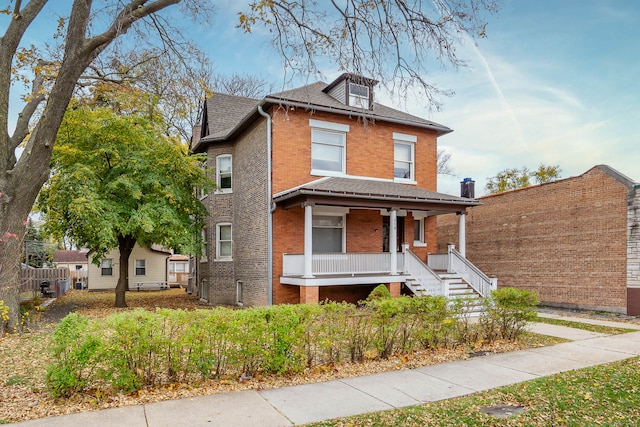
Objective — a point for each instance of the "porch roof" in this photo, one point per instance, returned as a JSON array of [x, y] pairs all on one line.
[[368, 193]]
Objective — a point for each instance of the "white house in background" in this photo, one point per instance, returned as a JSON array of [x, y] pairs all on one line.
[[147, 267], [179, 270], [78, 264]]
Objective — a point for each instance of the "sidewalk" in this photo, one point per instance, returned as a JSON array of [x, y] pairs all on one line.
[[350, 396]]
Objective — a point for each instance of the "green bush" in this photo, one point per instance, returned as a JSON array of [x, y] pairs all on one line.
[[139, 348], [508, 311], [77, 348]]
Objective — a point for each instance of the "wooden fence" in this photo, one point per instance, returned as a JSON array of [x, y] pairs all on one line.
[[31, 280]]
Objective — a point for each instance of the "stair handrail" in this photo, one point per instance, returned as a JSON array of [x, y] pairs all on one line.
[[419, 270], [479, 281]]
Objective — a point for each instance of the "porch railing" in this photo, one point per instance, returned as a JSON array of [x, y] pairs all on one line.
[[454, 262], [341, 263], [418, 270]]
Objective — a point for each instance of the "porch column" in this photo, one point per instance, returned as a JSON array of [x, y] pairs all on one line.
[[308, 241], [393, 241], [462, 234]]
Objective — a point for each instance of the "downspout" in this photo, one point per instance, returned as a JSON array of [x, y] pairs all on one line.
[[271, 207]]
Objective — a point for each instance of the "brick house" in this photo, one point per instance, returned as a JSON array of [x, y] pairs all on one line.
[[575, 241], [322, 194]]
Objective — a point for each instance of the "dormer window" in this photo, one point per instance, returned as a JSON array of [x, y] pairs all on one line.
[[352, 90], [358, 95]]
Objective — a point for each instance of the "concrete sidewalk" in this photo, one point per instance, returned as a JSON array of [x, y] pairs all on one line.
[[321, 401]]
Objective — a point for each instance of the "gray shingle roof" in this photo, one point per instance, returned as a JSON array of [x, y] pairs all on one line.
[[313, 96], [227, 114], [371, 189]]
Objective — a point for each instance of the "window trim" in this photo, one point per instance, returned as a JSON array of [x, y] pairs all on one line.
[[330, 127], [355, 99], [219, 188], [408, 140], [102, 269], [144, 267], [344, 227], [218, 241]]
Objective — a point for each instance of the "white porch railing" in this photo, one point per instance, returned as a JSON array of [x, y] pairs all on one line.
[[419, 271], [454, 262], [341, 263]]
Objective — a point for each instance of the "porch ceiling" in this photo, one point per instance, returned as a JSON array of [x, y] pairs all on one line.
[[364, 193]]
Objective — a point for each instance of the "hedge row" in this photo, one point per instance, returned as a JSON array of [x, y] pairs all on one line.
[[140, 348]]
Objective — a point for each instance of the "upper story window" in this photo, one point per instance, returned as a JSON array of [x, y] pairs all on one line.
[[106, 267], [358, 95], [224, 172], [328, 148], [141, 267], [404, 158]]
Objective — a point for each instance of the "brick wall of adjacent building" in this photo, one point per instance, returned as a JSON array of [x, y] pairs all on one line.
[[370, 152], [566, 240]]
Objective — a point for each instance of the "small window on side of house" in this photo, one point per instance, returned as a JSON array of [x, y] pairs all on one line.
[[141, 267], [224, 242], [358, 95], [404, 158], [224, 166], [106, 267]]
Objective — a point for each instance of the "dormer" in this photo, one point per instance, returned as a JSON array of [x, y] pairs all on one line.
[[352, 90]]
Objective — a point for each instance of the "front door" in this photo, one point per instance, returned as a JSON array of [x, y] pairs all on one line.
[[385, 233]]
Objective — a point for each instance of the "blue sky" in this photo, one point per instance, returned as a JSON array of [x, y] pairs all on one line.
[[554, 82]]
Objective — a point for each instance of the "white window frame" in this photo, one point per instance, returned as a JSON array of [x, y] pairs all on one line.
[[219, 175], [344, 227], [357, 100], [218, 241], [239, 292], [108, 261], [203, 233], [335, 128], [420, 217], [410, 141], [142, 262]]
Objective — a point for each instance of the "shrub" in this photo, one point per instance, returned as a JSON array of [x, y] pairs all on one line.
[[76, 348], [508, 310]]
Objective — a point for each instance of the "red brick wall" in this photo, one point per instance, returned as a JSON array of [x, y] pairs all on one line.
[[369, 154], [565, 240]]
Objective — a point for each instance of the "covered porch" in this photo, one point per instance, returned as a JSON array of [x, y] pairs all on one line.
[[344, 218]]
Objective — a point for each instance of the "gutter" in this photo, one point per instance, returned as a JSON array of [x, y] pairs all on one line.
[[271, 208]]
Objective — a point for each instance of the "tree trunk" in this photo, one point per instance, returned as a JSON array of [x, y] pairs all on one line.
[[10, 292], [125, 245]]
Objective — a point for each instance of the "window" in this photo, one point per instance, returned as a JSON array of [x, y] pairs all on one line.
[[328, 151], [404, 157], [106, 267], [328, 148], [328, 233], [418, 232], [239, 289], [141, 267], [358, 95], [203, 234], [224, 247], [223, 173], [177, 267]]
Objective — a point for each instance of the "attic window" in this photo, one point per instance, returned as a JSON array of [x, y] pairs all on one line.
[[358, 95]]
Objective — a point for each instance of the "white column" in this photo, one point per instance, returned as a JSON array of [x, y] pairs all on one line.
[[393, 241], [462, 234], [308, 241]]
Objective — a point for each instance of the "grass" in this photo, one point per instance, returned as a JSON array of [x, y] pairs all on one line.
[[607, 395], [609, 330]]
